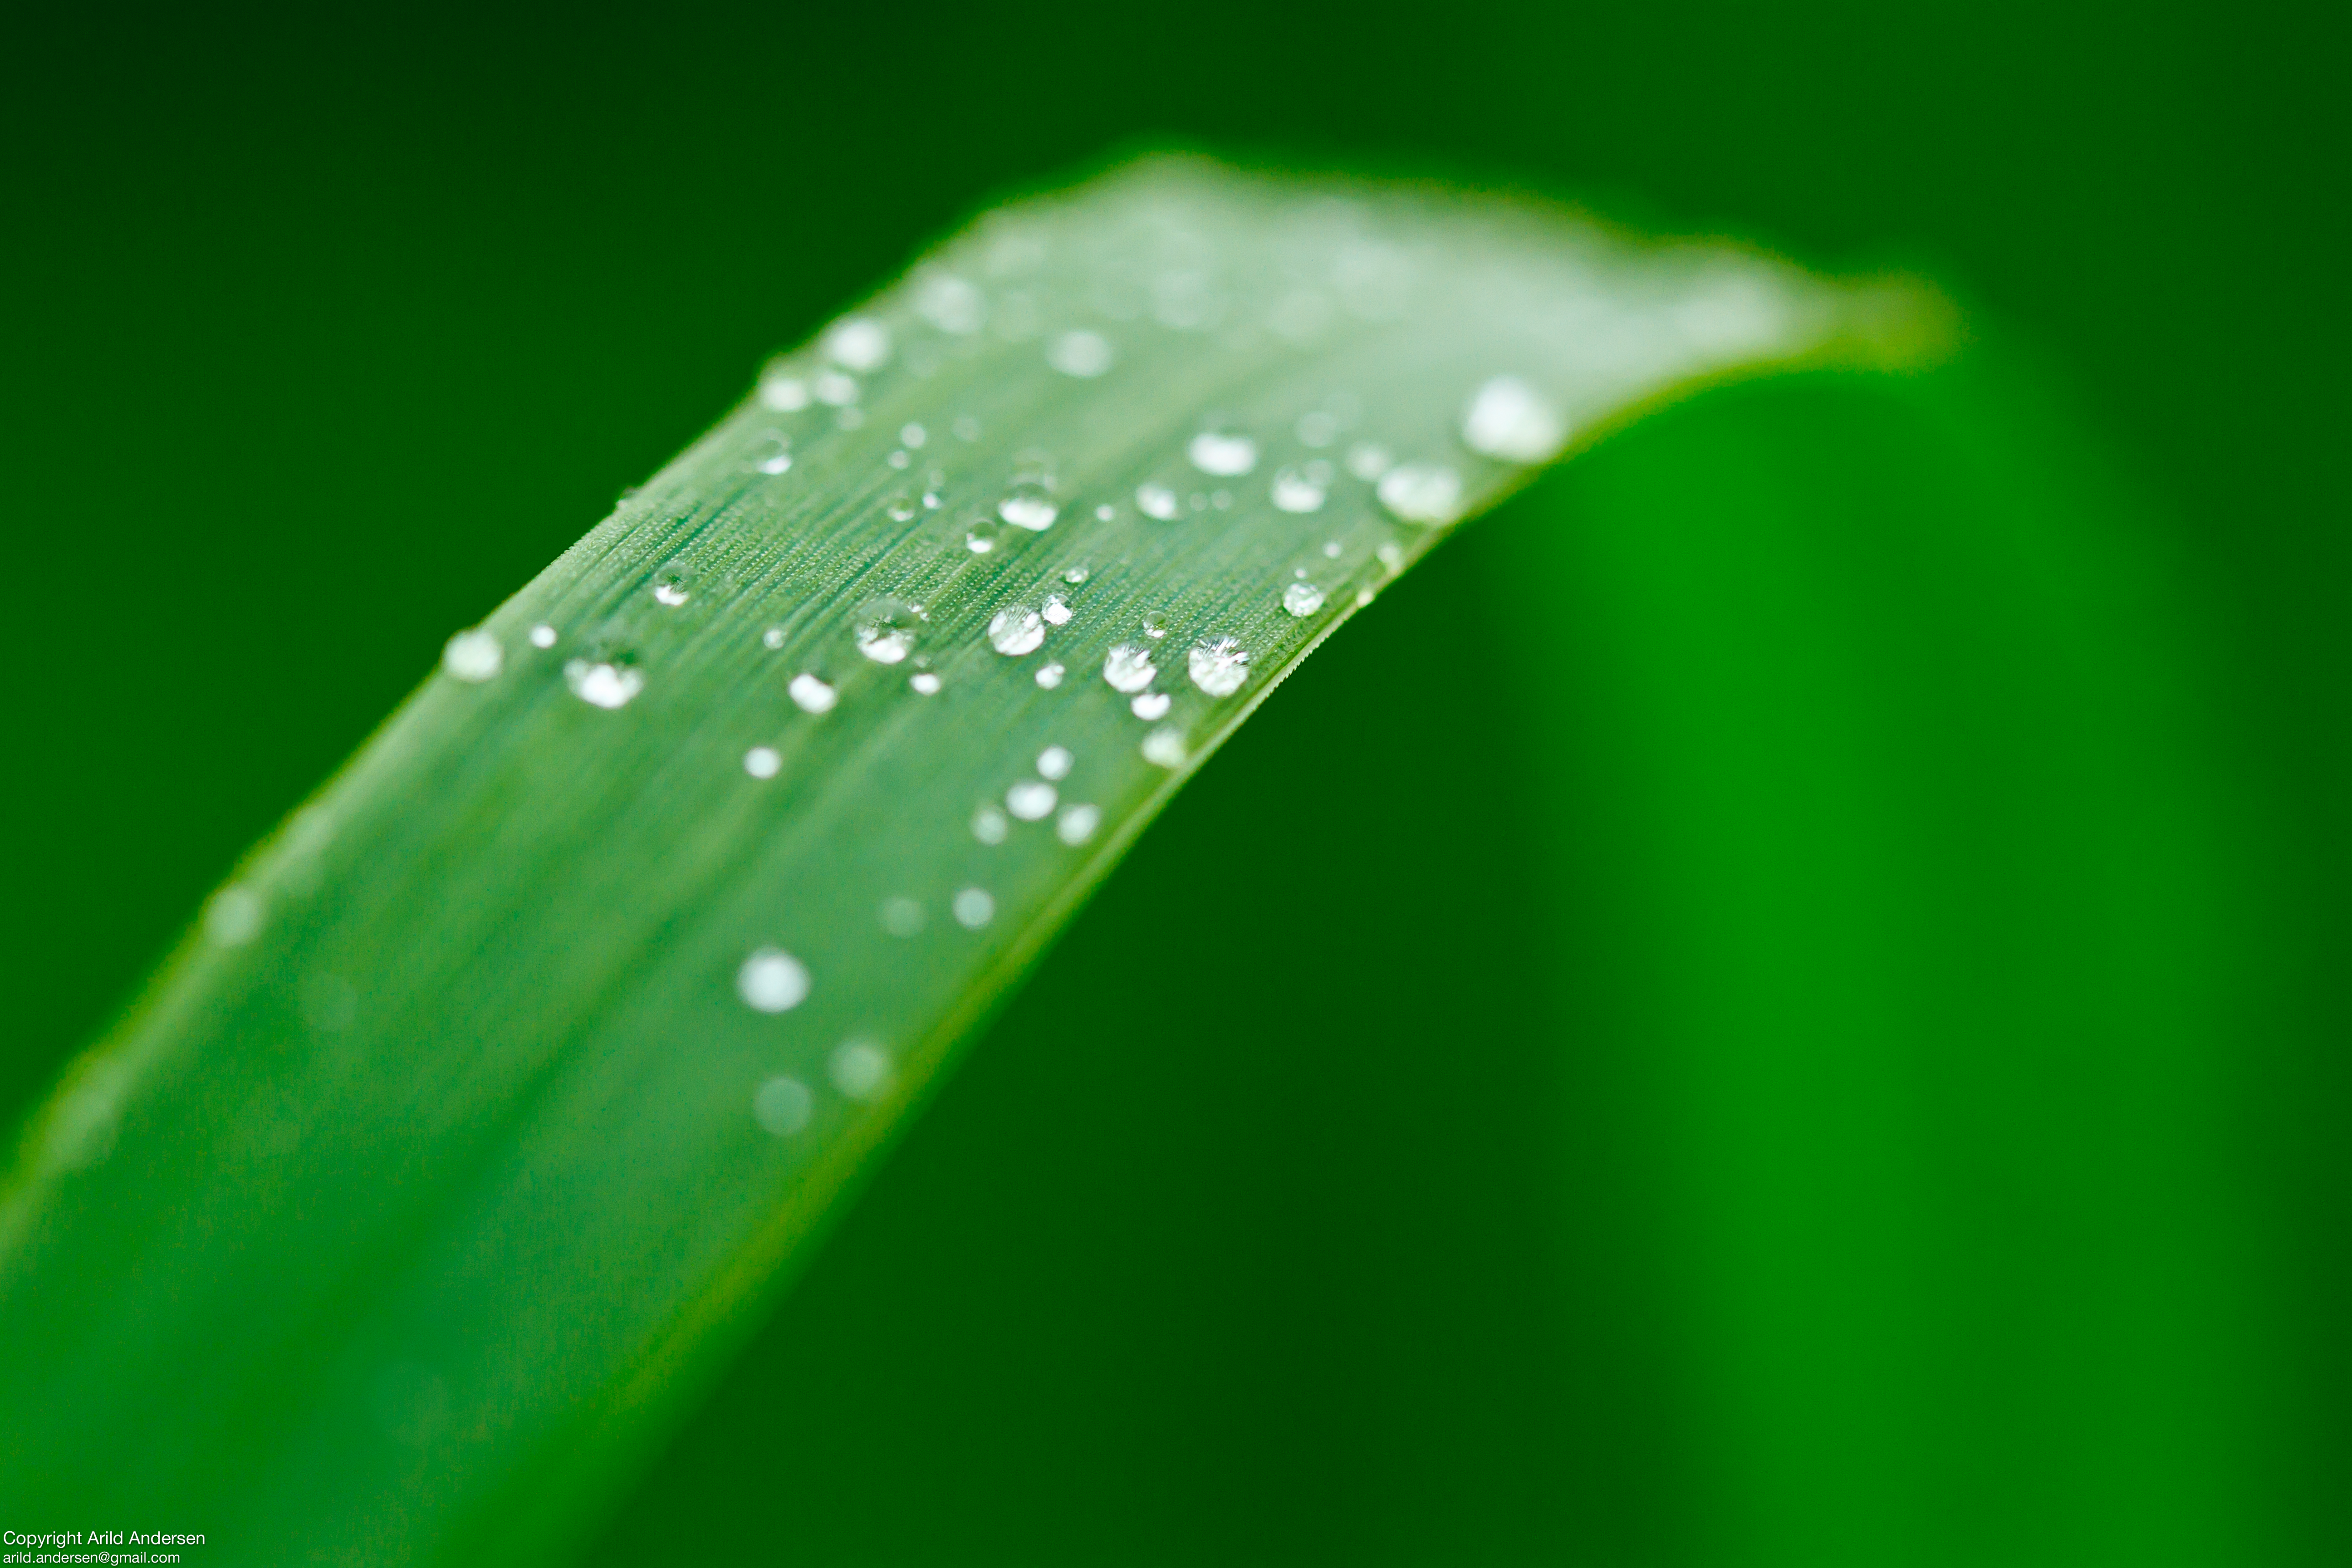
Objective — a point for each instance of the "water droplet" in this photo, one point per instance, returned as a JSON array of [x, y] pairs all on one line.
[[1330, 550], [1163, 748], [1016, 629], [1294, 491], [762, 762], [775, 463], [858, 342], [472, 656], [671, 592], [782, 1105], [1302, 598], [543, 636], [1318, 428], [1129, 668], [1154, 627], [912, 436], [812, 694], [1080, 353], [1028, 505], [1222, 454], [1218, 665], [1077, 823], [1050, 676], [1511, 420], [1392, 556], [901, 916], [989, 825], [882, 638], [772, 981], [926, 683], [602, 684], [1149, 705], [1054, 762], [773, 638], [951, 304], [785, 394], [1030, 799], [1364, 597], [898, 459], [932, 501], [834, 389], [1157, 500], [966, 428], [973, 908], [861, 1070], [1105, 513], [899, 509], [233, 917], [1422, 492], [1057, 610], [980, 538], [1073, 575], [1369, 460]]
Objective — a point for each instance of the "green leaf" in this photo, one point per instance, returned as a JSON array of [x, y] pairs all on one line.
[[494, 1096]]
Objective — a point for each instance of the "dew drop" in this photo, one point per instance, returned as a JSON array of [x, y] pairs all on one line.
[[1218, 665], [1511, 420], [1158, 500], [1080, 353], [1029, 800], [1054, 762], [1369, 460], [602, 684], [1422, 492], [883, 643], [835, 390], [898, 459], [762, 762], [1294, 492], [1154, 627], [1149, 705], [899, 509], [1073, 575], [861, 1070], [775, 463], [773, 638], [1050, 676], [1028, 506], [1392, 556], [1016, 629], [858, 342], [472, 656], [980, 538], [1057, 610], [1302, 598], [952, 305], [932, 501], [784, 393], [543, 636], [812, 694], [671, 592], [1364, 597], [989, 825], [1129, 668], [233, 917], [1222, 454], [781, 1106], [1077, 823], [772, 981], [1330, 550], [1105, 513], [1163, 748], [901, 916], [926, 683], [973, 908], [912, 437]]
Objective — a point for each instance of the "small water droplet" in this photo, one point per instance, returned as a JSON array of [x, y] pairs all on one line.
[[671, 592], [1218, 665], [785, 394], [775, 463], [882, 634], [233, 917], [966, 428], [813, 695], [1154, 627], [773, 638], [1057, 610], [900, 509], [1129, 668], [1302, 598], [861, 1070], [1163, 748], [1294, 491], [1392, 556], [1080, 353], [1157, 500], [980, 538], [1028, 505], [1077, 823], [834, 389], [912, 436], [772, 981], [1318, 428], [898, 459], [1105, 513], [1149, 705], [472, 656], [1054, 762], [1369, 459], [762, 762], [1330, 550], [1016, 629], [951, 304], [602, 684], [1050, 676], [973, 908], [1223, 454], [1422, 492], [926, 683], [1364, 597], [543, 636], [989, 825], [901, 916], [781, 1106], [1073, 575], [932, 501], [858, 342], [1030, 799], [1511, 420]]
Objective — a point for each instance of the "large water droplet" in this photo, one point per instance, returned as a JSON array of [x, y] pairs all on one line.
[[781, 1106], [1129, 668], [762, 762], [602, 684], [1158, 500], [1511, 420], [1029, 505], [1163, 748], [1294, 492], [472, 656], [1077, 823], [772, 981], [1218, 665], [1016, 629], [858, 342], [1423, 493], [813, 695], [1054, 761], [1030, 799], [951, 304], [1302, 598], [1223, 452], [1080, 353], [973, 908], [861, 1070]]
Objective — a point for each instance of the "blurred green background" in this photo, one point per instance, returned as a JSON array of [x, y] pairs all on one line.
[[1823, 1035]]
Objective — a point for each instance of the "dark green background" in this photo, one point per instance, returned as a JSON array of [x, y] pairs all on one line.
[[325, 332]]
